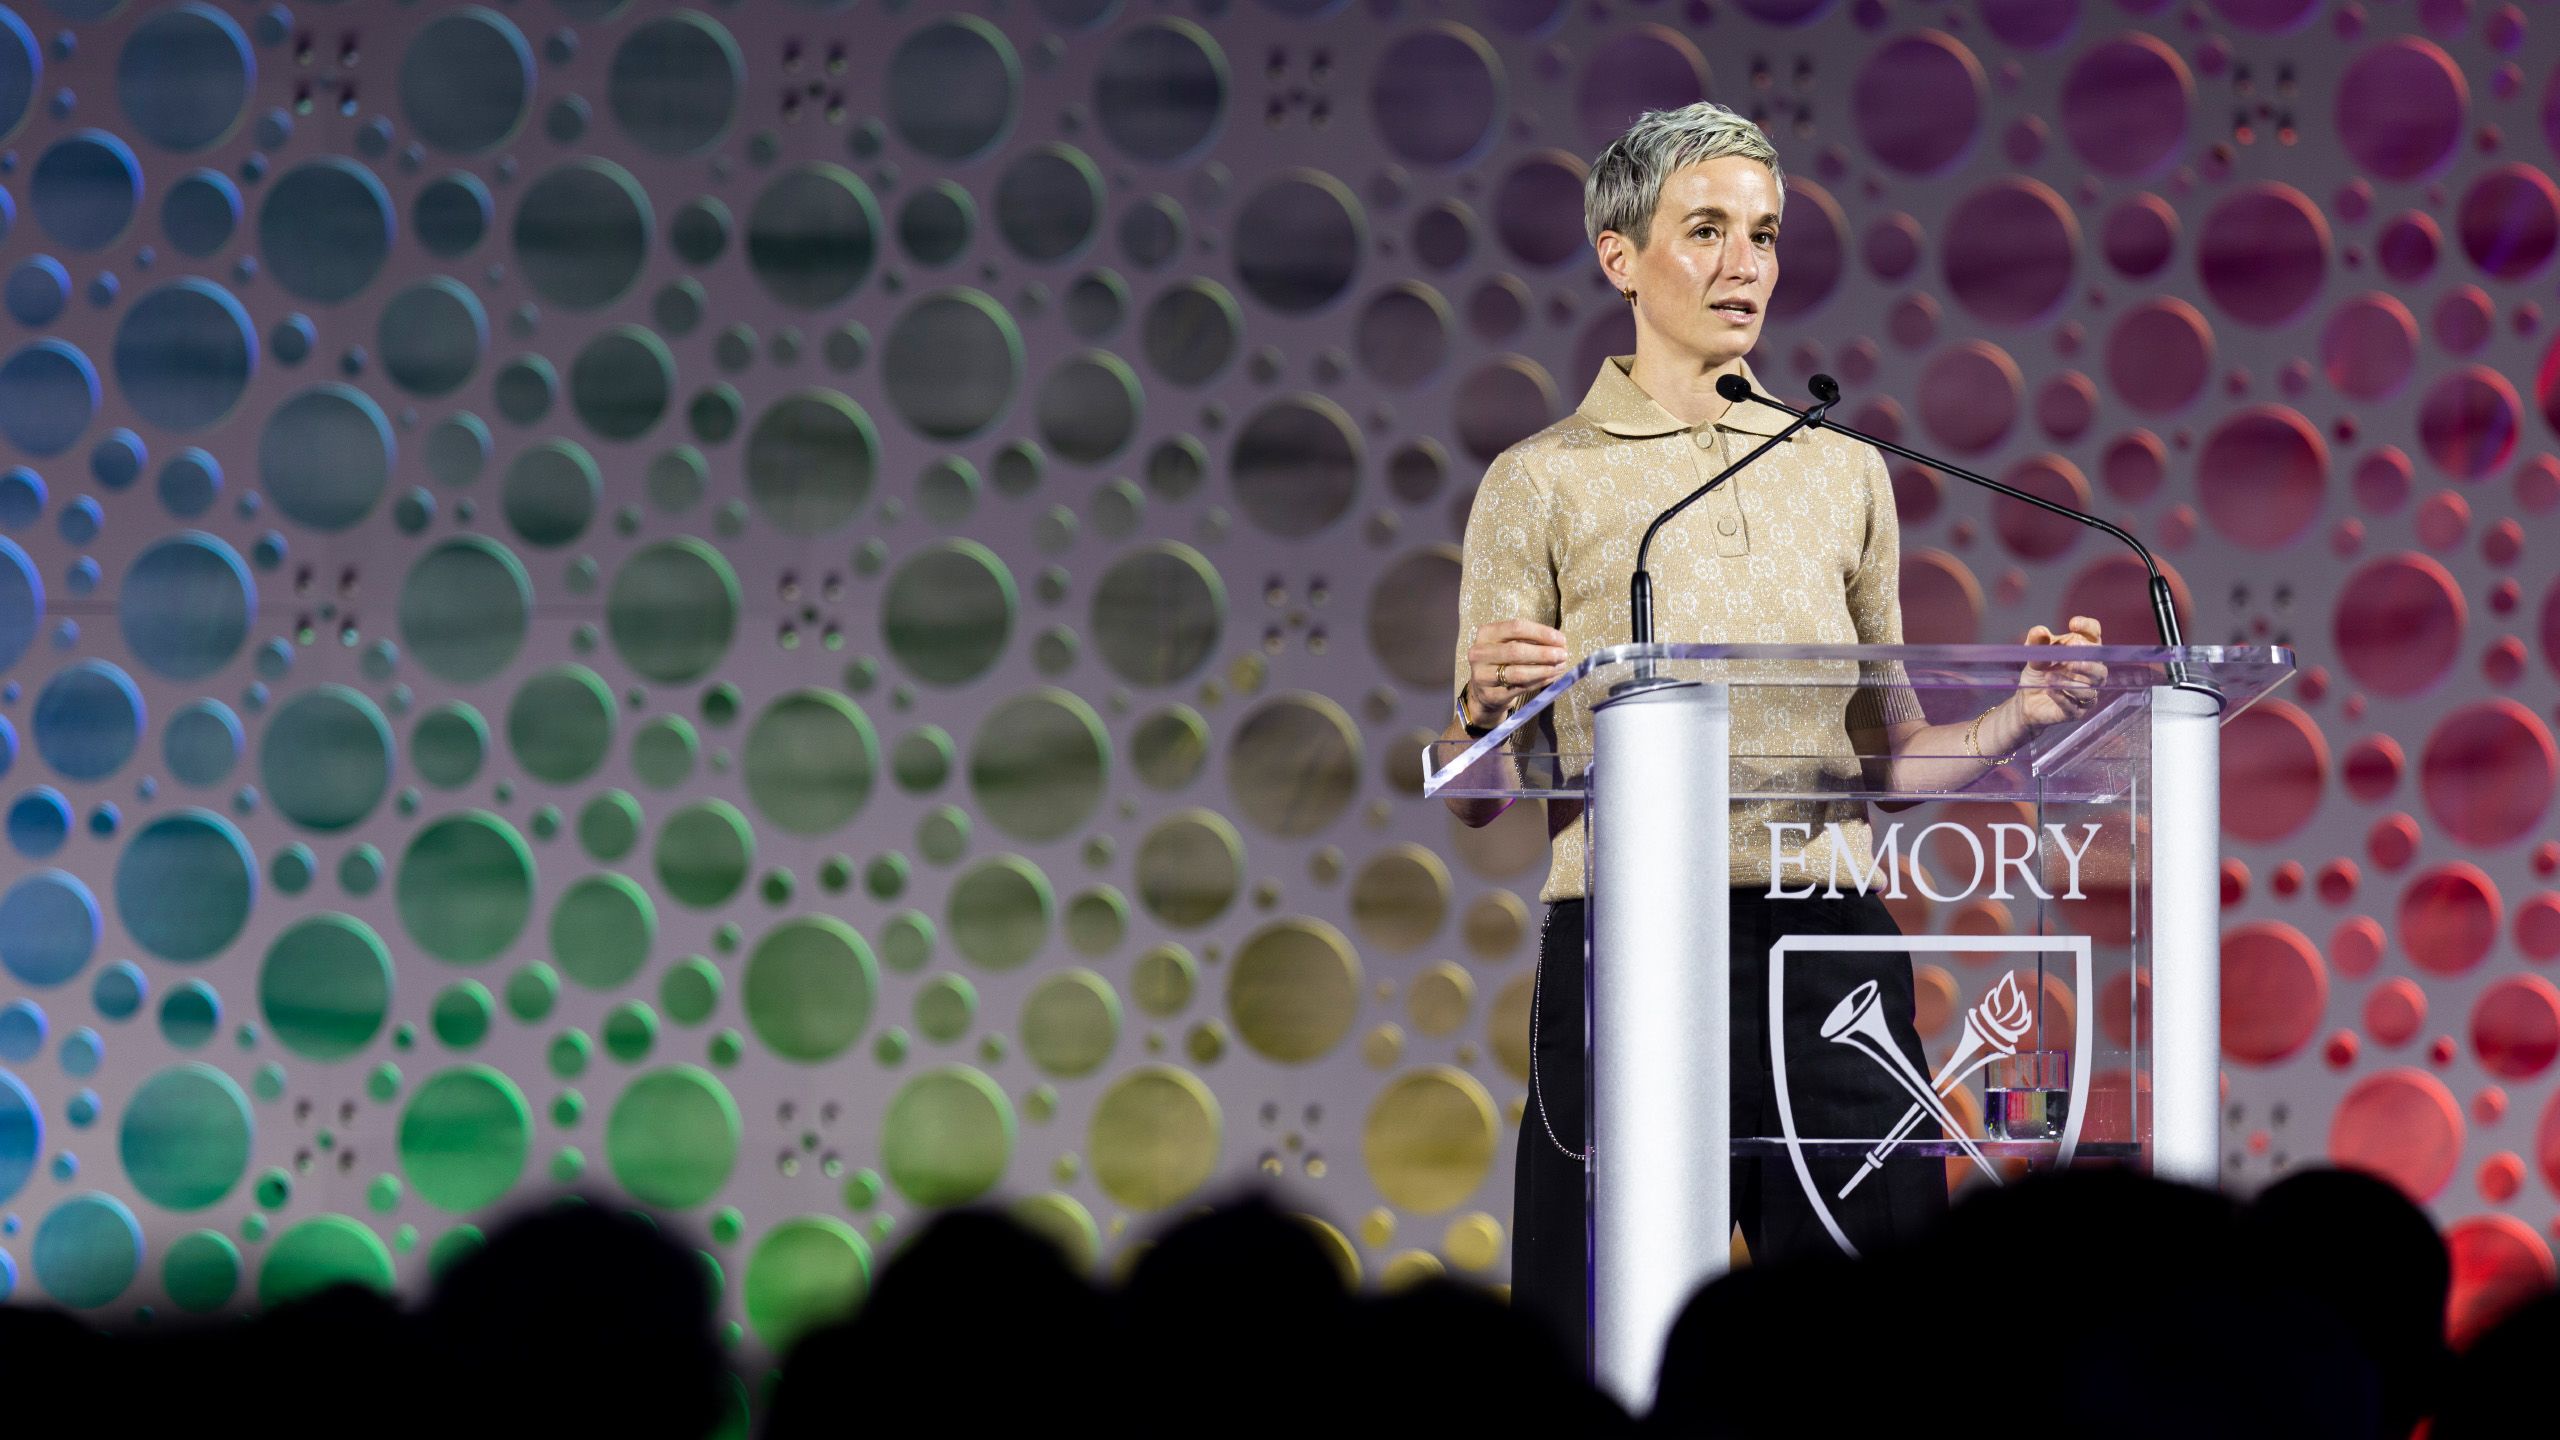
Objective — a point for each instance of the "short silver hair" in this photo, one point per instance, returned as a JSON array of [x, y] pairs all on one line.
[[1625, 183]]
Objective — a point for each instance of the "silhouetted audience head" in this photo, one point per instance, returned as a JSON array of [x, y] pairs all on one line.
[[2357, 1247], [977, 1324], [1446, 1358], [588, 1319], [2092, 1303], [2501, 1387]]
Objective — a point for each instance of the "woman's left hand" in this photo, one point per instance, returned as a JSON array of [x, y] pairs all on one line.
[[2052, 691]]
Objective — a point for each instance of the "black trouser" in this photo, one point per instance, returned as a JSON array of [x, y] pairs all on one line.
[[1833, 1093]]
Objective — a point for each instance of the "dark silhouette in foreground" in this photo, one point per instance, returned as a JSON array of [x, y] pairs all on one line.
[[2094, 1303]]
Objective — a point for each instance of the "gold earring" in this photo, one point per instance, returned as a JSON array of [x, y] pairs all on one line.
[[1630, 294]]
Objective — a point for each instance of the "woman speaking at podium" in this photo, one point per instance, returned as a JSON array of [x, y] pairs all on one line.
[[1802, 547]]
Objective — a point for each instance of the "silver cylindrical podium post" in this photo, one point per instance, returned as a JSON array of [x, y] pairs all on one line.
[[1660, 1010], [2186, 936]]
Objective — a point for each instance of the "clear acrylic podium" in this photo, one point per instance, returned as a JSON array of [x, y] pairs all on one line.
[[2064, 902]]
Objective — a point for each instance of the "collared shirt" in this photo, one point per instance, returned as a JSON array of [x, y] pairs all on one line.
[[1802, 547]]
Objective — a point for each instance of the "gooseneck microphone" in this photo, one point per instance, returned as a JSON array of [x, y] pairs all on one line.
[[1826, 393], [1735, 390]]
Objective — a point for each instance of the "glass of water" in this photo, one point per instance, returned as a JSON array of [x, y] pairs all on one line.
[[2024, 1095]]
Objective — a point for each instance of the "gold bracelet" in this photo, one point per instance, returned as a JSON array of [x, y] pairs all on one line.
[[1973, 742]]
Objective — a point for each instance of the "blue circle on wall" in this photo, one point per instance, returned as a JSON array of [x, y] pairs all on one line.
[[22, 1030], [88, 720], [39, 822], [201, 212], [184, 885], [21, 68], [48, 927], [37, 290], [326, 456], [48, 394], [325, 228], [190, 483], [88, 1251], [186, 605], [184, 353], [185, 76], [21, 600], [85, 189], [21, 1133], [203, 742]]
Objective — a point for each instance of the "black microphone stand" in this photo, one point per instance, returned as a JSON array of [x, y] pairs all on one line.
[[1735, 390], [2164, 613]]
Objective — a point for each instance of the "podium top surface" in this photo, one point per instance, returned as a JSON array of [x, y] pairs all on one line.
[[2091, 756]]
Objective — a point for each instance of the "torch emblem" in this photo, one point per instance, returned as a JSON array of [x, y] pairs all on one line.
[[1992, 1029]]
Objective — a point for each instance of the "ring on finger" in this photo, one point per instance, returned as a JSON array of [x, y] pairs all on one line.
[[1499, 673]]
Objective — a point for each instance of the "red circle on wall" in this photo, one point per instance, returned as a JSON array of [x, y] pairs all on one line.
[[2274, 991], [2274, 764], [2402, 1125], [2515, 1027], [2449, 918]]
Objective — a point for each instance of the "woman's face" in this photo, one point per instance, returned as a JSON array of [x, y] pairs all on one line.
[[1702, 280]]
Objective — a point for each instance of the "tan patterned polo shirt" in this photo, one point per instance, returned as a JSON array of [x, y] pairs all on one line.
[[1801, 548]]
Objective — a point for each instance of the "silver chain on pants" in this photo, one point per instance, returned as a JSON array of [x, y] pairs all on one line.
[[1538, 1092]]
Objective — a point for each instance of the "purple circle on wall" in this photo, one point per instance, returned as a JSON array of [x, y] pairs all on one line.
[[1437, 95], [1918, 102], [2159, 355], [2125, 105], [2011, 248], [1969, 396], [1786, 12], [2369, 346], [1812, 251], [2468, 422], [2263, 254], [2261, 476], [1893, 246], [2510, 221], [2407, 247], [2464, 319], [2268, 17], [2400, 108], [2139, 236], [1646, 68], [2031, 24], [1537, 210], [2135, 466]]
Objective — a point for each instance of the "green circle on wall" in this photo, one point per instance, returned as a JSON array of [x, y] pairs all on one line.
[[810, 760], [185, 1138], [673, 1137], [464, 608], [704, 852], [320, 1252], [1000, 912], [201, 1272], [601, 931], [809, 988], [325, 986], [325, 758], [464, 1137], [947, 1137], [672, 610], [465, 887], [1038, 764], [807, 1271], [560, 724]]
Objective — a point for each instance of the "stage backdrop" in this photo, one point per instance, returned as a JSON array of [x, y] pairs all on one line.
[[806, 612]]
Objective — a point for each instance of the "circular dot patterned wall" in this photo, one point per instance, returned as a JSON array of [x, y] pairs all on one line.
[[826, 614]]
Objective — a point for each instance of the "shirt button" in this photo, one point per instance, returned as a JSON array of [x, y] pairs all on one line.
[[1724, 527], [1706, 439]]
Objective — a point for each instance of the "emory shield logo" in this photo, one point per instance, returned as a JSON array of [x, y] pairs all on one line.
[[1991, 1029]]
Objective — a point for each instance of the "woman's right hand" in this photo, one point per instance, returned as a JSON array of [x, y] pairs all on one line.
[[1509, 659]]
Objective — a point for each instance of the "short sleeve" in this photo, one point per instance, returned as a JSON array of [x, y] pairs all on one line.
[[1507, 562], [1885, 698]]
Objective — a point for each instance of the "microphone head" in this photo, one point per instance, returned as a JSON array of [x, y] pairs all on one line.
[[1733, 388], [1825, 389]]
